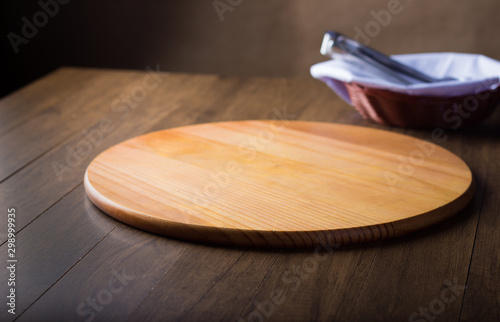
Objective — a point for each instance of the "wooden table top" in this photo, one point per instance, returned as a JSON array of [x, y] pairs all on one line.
[[75, 263]]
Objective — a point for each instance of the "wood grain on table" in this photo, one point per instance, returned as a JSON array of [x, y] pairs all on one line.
[[76, 264]]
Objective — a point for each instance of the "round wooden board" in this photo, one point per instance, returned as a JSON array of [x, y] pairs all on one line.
[[278, 183]]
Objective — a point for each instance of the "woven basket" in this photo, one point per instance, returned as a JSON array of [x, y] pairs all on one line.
[[392, 108]]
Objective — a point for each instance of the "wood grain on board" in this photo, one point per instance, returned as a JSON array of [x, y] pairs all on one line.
[[278, 183]]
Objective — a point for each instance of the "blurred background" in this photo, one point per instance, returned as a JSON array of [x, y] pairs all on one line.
[[228, 37]]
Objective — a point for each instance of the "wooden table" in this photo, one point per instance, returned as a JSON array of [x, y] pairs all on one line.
[[75, 263]]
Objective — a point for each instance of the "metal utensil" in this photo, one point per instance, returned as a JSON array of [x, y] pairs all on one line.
[[334, 42]]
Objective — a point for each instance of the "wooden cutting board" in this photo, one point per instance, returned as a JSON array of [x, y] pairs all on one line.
[[278, 183]]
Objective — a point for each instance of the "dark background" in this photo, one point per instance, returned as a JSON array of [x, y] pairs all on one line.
[[258, 37]]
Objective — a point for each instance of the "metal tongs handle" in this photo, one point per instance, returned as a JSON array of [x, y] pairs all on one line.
[[335, 42]]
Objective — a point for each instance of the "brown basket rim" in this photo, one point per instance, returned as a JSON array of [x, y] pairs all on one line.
[[388, 94]]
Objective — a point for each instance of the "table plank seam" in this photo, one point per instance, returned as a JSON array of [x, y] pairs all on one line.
[[38, 157], [182, 316], [483, 187], [155, 284], [260, 284], [364, 280], [44, 211], [68, 270]]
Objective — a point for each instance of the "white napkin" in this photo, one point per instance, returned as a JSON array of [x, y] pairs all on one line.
[[474, 73]]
